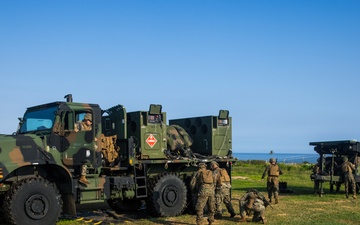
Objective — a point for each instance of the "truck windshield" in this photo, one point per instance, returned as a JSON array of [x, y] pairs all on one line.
[[42, 119]]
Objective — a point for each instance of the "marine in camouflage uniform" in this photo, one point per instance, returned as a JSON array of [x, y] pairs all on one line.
[[347, 169], [316, 171], [84, 125], [254, 202], [273, 172], [222, 192], [205, 182]]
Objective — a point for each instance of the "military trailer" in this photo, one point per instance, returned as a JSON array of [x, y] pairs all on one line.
[[331, 155], [131, 158]]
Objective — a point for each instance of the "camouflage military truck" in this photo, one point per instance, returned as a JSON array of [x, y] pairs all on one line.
[[331, 155], [132, 158]]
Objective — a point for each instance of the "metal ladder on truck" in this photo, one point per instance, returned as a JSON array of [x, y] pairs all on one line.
[[140, 181]]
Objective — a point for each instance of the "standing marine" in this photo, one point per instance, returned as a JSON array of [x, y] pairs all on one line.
[[204, 182], [253, 201], [84, 125], [316, 171], [347, 169], [273, 172], [222, 192]]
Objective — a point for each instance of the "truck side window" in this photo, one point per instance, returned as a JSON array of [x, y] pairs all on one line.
[[83, 121]]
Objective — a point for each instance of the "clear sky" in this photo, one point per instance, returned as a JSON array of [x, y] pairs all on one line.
[[288, 71]]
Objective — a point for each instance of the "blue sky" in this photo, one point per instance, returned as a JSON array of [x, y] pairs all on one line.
[[288, 71]]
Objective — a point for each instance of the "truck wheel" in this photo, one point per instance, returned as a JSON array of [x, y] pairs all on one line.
[[125, 205], [33, 201], [168, 196]]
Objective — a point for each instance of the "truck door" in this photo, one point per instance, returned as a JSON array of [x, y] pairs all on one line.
[[77, 145]]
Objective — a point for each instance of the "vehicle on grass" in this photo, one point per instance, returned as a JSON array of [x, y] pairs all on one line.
[[131, 158], [331, 155]]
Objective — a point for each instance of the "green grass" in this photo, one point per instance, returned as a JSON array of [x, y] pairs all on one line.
[[301, 206]]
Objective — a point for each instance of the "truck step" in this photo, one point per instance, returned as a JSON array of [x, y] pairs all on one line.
[[90, 194]]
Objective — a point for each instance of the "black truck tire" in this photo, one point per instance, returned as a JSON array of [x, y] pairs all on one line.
[[33, 201], [168, 196]]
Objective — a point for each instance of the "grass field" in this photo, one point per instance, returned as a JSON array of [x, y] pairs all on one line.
[[301, 207]]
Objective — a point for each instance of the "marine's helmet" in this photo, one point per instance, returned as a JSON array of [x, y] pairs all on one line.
[[214, 163], [202, 165], [272, 160], [345, 159], [252, 190], [88, 116]]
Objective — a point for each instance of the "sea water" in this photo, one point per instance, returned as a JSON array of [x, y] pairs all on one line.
[[280, 157]]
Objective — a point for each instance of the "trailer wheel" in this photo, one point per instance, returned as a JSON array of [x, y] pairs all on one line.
[[33, 201], [125, 205], [168, 196]]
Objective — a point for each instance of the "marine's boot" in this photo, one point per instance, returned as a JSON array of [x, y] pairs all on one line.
[[354, 196], [210, 221], [218, 216], [263, 219], [231, 210], [347, 195], [242, 219], [83, 180], [276, 200]]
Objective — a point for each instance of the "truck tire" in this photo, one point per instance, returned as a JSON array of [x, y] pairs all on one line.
[[168, 196], [32, 201], [125, 205]]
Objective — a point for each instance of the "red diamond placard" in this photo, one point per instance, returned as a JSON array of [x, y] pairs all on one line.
[[151, 140]]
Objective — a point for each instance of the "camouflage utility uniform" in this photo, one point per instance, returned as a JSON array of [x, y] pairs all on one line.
[[222, 192], [84, 125], [205, 184], [316, 171], [347, 169], [254, 202], [273, 172]]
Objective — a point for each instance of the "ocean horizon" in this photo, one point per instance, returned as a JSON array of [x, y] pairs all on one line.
[[280, 157]]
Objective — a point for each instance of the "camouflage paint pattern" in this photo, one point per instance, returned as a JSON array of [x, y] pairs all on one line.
[[46, 137]]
